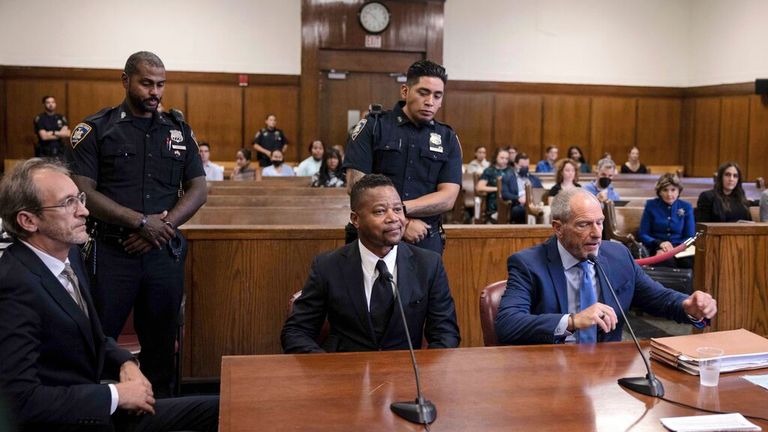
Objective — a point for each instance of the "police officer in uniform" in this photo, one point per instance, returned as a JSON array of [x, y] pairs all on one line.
[[269, 139], [143, 176], [50, 128], [420, 155]]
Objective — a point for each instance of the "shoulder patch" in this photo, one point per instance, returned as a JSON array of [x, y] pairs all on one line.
[[358, 128], [79, 133]]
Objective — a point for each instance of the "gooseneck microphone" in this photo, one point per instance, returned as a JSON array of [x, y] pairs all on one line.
[[420, 410], [648, 385]]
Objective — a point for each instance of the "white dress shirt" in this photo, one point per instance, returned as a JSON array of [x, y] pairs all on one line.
[[573, 275], [370, 274]]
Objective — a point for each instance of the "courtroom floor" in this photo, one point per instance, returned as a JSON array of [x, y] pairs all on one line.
[[647, 326]]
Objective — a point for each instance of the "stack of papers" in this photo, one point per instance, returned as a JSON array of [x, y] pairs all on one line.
[[743, 350], [704, 423]]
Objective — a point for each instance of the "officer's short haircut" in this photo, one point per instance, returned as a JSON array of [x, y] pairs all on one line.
[[45, 98], [137, 58], [311, 143], [425, 68], [18, 192], [246, 153], [521, 156], [368, 181], [204, 144]]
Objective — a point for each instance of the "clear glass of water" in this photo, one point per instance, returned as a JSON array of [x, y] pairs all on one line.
[[709, 365]]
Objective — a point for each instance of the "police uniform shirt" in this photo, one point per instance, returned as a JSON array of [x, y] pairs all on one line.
[[416, 157], [50, 123], [270, 139], [138, 163]]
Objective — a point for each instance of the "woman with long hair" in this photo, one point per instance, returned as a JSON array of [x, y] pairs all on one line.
[[566, 176], [576, 155], [727, 201], [243, 170], [487, 182], [330, 173]]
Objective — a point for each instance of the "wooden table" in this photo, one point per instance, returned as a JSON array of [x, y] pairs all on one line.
[[538, 388]]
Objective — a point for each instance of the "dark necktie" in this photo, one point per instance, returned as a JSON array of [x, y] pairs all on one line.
[[76, 295], [586, 299], [382, 301]]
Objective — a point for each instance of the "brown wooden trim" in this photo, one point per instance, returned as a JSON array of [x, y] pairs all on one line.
[[737, 89], [70, 74], [566, 89]]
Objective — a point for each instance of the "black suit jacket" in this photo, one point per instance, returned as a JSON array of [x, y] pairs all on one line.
[[52, 355], [335, 291]]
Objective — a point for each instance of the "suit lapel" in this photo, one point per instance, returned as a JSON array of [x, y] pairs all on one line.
[[57, 291], [605, 293], [556, 272], [352, 269]]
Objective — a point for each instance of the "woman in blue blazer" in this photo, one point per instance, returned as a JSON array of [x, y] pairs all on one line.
[[667, 221]]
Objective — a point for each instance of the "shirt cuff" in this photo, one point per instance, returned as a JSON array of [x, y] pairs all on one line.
[[115, 398], [562, 327], [698, 323]]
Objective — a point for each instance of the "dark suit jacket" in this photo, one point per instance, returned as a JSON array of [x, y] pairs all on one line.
[[510, 191], [335, 291], [51, 355], [536, 297]]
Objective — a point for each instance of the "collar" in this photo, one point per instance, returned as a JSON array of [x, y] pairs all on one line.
[[402, 119], [125, 115], [569, 261], [55, 265], [369, 259]]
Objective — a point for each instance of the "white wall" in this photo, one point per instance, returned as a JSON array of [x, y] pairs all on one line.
[[250, 36]]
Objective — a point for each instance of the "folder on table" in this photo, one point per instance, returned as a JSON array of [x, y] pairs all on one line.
[[742, 350]]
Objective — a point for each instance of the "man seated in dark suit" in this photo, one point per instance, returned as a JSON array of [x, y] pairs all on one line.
[[513, 188], [53, 352], [555, 295], [347, 288]]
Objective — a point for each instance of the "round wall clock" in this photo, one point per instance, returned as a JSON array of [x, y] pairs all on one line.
[[374, 17]]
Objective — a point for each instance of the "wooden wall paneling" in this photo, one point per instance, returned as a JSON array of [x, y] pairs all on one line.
[[566, 122], [283, 101], [687, 127], [705, 156], [613, 127], [517, 122], [175, 96], [3, 122], [88, 97], [434, 24], [757, 162], [471, 116], [23, 103], [658, 131], [734, 130], [215, 113]]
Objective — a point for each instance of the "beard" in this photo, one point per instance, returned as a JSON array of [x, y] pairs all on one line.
[[145, 105]]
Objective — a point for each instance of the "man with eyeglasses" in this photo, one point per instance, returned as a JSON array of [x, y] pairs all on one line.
[[143, 175], [52, 348]]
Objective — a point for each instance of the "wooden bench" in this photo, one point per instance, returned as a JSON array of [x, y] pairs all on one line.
[[325, 216], [309, 201], [274, 191]]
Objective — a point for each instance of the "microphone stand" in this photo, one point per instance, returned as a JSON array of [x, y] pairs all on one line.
[[420, 410], [648, 385]]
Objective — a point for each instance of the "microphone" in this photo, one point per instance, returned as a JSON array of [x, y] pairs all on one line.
[[420, 410], [648, 385]]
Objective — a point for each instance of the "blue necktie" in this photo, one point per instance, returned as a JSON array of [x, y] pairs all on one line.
[[586, 299]]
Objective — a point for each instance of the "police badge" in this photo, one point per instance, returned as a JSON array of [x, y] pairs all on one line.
[[176, 136], [435, 142]]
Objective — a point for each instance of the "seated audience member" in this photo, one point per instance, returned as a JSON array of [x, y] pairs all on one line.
[[278, 168], [53, 350], [311, 165], [601, 187], [330, 174], [487, 182], [726, 202], [340, 149], [633, 165], [555, 295], [575, 154], [548, 163], [479, 163], [566, 177], [512, 155], [764, 206], [213, 172], [514, 187], [347, 286], [244, 171], [667, 220]]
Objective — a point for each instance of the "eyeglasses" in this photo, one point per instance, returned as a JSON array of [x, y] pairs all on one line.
[[70, 204]]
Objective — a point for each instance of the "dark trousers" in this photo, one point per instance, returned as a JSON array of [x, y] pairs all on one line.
[[152, 285], [192, 413], [517, 215]]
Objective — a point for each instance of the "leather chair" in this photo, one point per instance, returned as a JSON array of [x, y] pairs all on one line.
[[489, 307]]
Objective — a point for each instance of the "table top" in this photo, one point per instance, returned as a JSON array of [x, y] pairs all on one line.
[[545, 387]]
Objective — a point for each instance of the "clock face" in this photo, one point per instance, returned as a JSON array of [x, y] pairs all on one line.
[[374, 17]]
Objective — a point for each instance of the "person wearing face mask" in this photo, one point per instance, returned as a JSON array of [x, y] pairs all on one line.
[[667, 220], [278, 167], [726, 202], [601, 187], [514, 187]]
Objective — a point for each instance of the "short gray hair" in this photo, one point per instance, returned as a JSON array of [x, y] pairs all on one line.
[[561, 205], [606, 163], [18, 192]]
